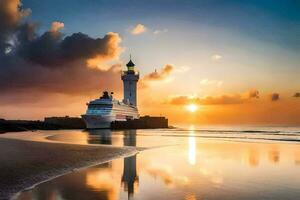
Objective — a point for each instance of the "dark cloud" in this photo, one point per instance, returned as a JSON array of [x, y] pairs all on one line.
[[52, 62], [51, 50], [274, 97], [297, 94], [11, 13]]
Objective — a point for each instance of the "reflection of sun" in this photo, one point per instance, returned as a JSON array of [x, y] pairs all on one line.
[[192, 107]]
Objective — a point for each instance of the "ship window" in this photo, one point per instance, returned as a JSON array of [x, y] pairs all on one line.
[[92, 106]]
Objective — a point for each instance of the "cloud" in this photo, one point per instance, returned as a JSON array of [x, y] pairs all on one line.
[[297, 94], [207, 82], [253, 93], [181, 100], [52, 62], [138, 29], [11, 12], [182, 69], [156, 76], [56, 26], [213, 100], [158, 31], [274, 96], [159, 75], [209, 100], [216, 57], [52, 50]]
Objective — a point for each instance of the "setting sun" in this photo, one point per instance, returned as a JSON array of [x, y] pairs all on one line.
[[192, 107]]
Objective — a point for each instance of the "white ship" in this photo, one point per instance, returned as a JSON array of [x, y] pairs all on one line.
[[104, 110]]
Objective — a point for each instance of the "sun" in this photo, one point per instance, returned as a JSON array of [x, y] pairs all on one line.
[[192, 108]]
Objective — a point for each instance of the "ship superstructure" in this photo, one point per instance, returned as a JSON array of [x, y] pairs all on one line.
[[104, 110]]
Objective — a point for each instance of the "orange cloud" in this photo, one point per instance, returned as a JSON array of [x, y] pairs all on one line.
[[138, 29], [56, 26], [11, 13], [102, 60], [253, 93], [159, 75], [214, 100]]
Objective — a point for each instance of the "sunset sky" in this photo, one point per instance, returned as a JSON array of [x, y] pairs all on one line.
[[216, 62]]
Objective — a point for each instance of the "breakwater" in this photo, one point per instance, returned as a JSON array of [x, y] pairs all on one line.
[[57, 123]]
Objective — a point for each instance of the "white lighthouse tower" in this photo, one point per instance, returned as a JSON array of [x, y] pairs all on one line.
[[130, 79]]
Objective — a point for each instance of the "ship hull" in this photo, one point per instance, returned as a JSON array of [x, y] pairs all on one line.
[[97, 122]]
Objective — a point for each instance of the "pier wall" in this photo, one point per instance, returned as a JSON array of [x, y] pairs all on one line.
[[56, 123], [146, 122]]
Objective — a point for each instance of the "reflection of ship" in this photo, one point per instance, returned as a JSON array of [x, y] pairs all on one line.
[[130, 177], [100, 136], [101, 112]]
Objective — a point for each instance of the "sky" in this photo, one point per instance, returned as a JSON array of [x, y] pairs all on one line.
[[234, 61]]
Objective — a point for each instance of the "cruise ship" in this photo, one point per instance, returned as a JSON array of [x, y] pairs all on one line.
[[104, 110]]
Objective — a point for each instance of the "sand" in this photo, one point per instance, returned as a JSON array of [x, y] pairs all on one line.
[[25, 163]]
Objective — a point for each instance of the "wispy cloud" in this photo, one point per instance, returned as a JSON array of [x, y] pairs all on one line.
[[207, 82], [216, 57], [138, 29], [182, 69], [159, 31], [214, 100]]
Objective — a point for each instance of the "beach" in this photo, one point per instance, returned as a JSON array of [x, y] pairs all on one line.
[[225, 163], [25, 162], [228, 163]]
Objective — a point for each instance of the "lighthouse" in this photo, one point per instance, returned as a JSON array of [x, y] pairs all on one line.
[[130, 78]]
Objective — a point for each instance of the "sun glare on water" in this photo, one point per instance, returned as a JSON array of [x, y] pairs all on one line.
[[192, 108]]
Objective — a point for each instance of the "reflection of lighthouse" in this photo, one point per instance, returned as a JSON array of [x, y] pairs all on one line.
[[130, 176]]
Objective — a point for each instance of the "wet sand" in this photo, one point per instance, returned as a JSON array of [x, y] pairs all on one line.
[[24, 163]]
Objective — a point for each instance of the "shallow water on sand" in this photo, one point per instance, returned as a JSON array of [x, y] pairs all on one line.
[[243, 163]]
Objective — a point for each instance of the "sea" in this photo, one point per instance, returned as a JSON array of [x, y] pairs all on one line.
[[191, 163]]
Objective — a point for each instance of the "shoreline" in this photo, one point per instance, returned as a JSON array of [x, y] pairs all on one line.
[[25, 163]]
